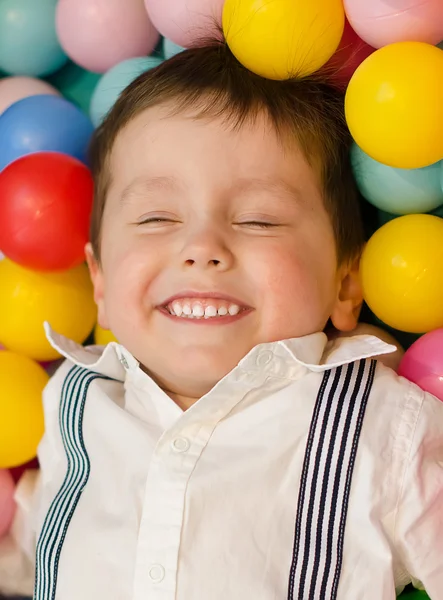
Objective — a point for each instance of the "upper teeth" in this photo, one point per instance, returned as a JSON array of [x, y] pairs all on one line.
[[202, 309]]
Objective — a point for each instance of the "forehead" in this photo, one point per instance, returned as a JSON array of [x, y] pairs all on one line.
[[186, 147]]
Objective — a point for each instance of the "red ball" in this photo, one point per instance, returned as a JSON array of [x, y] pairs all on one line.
[[45, 209], [351, 52]]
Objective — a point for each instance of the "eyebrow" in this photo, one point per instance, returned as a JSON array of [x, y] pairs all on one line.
[[273, 185], [278, 186], [145, 185]]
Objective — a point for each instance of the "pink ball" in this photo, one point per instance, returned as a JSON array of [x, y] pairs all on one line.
[[7, 502], [423, 363], [13, 89], [382, 22], [185, 22], [98, 34]]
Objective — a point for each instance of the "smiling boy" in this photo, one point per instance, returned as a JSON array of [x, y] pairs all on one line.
[[224, 449]]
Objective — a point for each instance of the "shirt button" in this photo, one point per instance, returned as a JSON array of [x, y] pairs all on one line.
[[180, 445], [264, 358], [156, 573], [124, 362]]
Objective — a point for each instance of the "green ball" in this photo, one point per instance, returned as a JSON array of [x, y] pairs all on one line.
[[76, 84], [414, 595], [398, 191]]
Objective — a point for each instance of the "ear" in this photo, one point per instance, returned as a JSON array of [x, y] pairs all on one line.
[[349, 300], [97, 278]]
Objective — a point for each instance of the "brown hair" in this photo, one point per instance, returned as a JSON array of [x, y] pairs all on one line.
[[215, 85]]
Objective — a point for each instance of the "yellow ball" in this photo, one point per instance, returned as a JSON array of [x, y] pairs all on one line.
[[394, 105], [29, 298], [103, 336], [402, 273], [280, 39], [21, 410]]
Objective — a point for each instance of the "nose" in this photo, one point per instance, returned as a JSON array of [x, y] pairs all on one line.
[[207, 248]]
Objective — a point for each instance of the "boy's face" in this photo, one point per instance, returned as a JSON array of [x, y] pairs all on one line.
[[221, 220]]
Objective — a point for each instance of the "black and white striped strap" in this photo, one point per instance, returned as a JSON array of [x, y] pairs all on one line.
[[326, 481], [50, 542]]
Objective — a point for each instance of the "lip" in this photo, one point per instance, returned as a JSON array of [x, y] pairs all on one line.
[[203, 295]]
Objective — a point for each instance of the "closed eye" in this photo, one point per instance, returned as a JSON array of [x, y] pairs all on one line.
[[259, 224], [155, 220]]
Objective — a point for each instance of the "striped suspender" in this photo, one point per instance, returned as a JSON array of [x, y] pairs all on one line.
[[326, 480], [324, 489], [60, 513]]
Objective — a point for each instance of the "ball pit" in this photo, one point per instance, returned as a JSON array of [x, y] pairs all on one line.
[[28, 41], [382, 22], [351, 52], [402, 275], [385, 103], [397, 191], [283, 38], [40, 123], [423, 363], [7, 503], [13, 89], [186, 22], [111, 31], [21, 408], [114, 82], [30, 298], [394, 110], [42, 196]]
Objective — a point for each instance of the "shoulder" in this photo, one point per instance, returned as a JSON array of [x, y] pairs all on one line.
[[402, 408]]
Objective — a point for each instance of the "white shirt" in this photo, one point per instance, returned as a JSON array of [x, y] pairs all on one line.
[[203, 504]]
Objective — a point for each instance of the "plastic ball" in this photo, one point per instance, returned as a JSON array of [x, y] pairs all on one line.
[[18, 472], [98, 34], [76, 84], [170, 49], [186, 22], [397, 191], [394, 105], [382, 22], [28, 41], [45, 208], [30, 298], [102, 337], [114, 82], [351, 52], [13, 89], [423, 363], [7, 502], [21, 427], [402, 274], [43, 123], [283, 38]]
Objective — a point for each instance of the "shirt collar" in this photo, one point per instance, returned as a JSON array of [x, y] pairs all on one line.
[[313, 352]]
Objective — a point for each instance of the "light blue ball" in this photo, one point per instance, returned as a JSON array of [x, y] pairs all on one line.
[[397, 191], [114, 81], [28, 40], [170, 49], [43, 123]]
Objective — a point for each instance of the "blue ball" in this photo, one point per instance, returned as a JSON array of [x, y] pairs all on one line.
[[43, 123], [114, 81], [28, 40], [170, 49], [397, 191]]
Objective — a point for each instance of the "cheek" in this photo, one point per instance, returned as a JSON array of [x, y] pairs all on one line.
[[293, 282], [128, 274]]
